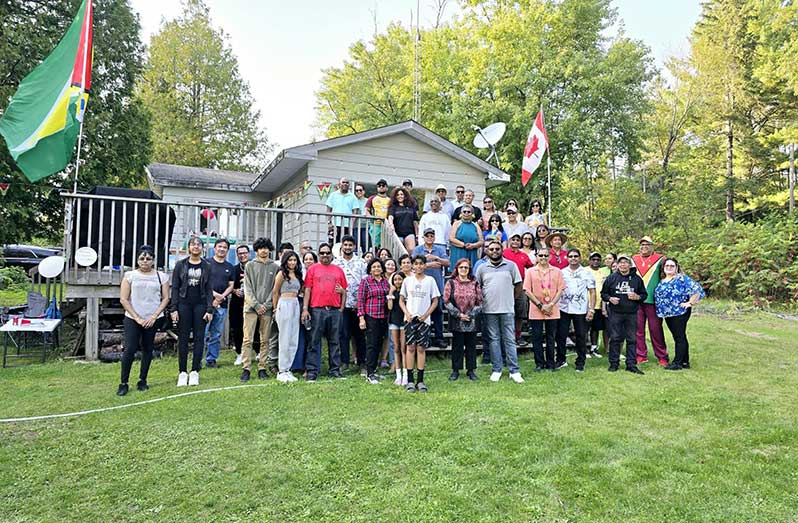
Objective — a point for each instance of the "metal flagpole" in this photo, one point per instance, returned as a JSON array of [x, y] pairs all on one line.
[[81, 101], [548, 182]]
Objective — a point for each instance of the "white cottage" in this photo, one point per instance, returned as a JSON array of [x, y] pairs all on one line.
[[395, 153]]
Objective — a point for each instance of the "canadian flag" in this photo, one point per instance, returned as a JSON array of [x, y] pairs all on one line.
[[536, 145]]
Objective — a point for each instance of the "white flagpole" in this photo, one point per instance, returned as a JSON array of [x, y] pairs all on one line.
[[87, 14], [548, 182]]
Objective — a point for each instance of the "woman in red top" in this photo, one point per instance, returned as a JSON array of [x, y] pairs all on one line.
[[462, 297], [372, 309], [558, 257]]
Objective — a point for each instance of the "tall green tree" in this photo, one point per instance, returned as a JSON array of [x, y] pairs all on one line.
[[116, 128], [502, 61], [202, 110]]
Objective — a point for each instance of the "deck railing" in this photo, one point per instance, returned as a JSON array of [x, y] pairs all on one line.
[[116, 226]]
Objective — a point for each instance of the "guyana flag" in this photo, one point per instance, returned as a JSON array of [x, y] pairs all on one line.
[[42, 122]]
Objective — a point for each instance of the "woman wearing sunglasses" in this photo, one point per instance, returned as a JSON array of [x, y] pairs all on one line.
[[144, 294]]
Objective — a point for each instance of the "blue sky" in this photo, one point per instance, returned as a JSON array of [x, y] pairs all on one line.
[[283, 46]]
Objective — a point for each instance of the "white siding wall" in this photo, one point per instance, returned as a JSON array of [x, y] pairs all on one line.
[[395, 158]]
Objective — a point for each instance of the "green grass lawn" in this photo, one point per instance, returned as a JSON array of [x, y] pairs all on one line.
[[715, 443]]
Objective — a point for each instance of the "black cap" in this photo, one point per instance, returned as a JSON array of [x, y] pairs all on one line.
[[429, 230], [408, 181], [382, 181]]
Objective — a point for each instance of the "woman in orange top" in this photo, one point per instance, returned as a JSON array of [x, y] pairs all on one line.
[[543, 285]]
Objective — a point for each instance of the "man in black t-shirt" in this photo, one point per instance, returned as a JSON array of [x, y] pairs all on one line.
[[221, 275]]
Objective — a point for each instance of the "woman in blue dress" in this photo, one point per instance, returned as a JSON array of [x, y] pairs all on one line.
[[674, 298], [465, 238]]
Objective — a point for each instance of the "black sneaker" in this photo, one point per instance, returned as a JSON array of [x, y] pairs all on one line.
[[262, 374], [337, 375], [122, 390], [613, 368], [211, 365], [454, 375], [686, 365], [472, 375], [673, 366], [245, 376], [142, 386], [580, 369], [311, 378], [635, 370], [539, 369]]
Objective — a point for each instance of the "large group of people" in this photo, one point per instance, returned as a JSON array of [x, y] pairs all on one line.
[[491, 272]]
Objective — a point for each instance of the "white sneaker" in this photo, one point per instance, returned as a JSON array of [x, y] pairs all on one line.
[[516, 377], [596, 354], [238, 360], [182, 379], [193, 378], [290, 377], [588, 355], [282, 378], [495, 376]]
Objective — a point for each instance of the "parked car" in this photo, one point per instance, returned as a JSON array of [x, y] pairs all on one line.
[[25, 256]]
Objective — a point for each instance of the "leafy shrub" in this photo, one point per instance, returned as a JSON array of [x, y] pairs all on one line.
[[755, 263], [13, 278]]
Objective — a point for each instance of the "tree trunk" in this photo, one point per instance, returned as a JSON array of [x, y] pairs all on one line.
[[729, 171]]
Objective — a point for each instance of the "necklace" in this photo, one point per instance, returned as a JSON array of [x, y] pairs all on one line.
[[547, 286]]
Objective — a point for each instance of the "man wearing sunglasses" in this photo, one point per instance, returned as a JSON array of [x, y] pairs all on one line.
[[501, 283], [468, 199], [323, 305], [459, 197]]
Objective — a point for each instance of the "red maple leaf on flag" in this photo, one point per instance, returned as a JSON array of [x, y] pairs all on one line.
[[531, 147]]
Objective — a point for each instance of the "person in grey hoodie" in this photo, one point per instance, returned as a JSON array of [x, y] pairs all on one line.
[[259, 277], [624, 291]]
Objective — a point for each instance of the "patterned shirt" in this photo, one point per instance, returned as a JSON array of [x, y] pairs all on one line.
[[669, 295], [574, 299], [371, 298], [354, 271]]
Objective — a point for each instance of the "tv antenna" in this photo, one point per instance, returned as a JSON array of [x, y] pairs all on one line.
[[488, 137]]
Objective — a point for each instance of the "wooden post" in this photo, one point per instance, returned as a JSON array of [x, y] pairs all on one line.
[[92, 328]]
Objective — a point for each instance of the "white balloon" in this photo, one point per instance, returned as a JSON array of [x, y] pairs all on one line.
[[51, 266], [85, 256]]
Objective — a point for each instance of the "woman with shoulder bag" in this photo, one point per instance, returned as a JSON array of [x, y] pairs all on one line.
[[144, 294], [462, 297]]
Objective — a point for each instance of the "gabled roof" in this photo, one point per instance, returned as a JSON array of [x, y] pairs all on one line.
[[290, 161], [164, 174]]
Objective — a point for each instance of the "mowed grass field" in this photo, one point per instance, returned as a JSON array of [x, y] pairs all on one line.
[[718, 442]]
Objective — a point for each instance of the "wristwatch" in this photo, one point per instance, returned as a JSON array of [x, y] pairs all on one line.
[[540, 305]]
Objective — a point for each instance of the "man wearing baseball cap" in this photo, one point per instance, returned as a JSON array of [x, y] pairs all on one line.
[[647, 263], [377, 205], [623, 290]]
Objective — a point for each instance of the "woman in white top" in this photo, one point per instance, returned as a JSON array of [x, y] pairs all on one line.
[[144, 294]]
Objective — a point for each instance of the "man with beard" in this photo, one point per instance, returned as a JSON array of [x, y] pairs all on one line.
[[354, 271], [647, 264], [377, 205], [576, 306], [501, 284]]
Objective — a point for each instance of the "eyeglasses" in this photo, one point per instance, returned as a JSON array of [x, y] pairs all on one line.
[[358, 190], [487, 201], [574, 256], [543, 255], [150, 258], [511, 212], [496, 221], [459, 192], [670, 265], [325, 253], [493, 249], [466, 212], [535, 205]]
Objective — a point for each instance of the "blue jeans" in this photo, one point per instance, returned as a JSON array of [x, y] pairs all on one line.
[[213, 332], [500, 329]]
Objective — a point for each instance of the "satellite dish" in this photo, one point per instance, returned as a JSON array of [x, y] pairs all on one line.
[[85, 256], [488, 137], [51, 266]]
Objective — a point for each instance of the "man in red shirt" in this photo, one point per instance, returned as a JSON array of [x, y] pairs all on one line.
[[323, 305], [515, 254]]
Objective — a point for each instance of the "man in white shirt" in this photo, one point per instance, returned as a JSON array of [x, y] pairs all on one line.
[[437, 220], [446, 205], [577, 305]]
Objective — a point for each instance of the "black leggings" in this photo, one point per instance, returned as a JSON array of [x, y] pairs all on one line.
[[678, 327], [190, 321], [137, 338]]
